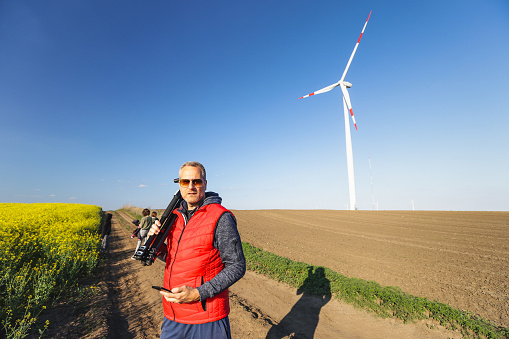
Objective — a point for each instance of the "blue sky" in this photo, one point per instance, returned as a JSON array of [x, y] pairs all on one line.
[[101, 101]]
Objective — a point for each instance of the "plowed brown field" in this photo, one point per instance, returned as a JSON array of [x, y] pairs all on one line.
[[458, 258]]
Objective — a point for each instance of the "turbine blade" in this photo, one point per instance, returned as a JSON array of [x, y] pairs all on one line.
[[355, 49], [323, 90], [346, 96]]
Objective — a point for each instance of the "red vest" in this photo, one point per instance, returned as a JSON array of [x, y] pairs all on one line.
[[192, 260]]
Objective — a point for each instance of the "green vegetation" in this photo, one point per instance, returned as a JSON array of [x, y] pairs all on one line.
[[385, 301], [134, 212], [122, 222]]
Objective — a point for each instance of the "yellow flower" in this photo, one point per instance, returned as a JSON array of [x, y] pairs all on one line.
[[50, 236]]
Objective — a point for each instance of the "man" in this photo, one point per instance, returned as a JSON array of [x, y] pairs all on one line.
[[203, 258], [105, 232], [146, 224]]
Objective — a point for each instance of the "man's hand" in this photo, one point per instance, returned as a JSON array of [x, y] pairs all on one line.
[[181, 295], [154, 229]]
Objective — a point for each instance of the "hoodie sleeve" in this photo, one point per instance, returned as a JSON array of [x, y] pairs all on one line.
[[227, 241]]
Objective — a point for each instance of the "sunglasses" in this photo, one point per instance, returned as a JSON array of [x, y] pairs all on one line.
[[186, 182]]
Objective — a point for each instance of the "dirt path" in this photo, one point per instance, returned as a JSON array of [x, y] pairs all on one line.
[[261, 308]]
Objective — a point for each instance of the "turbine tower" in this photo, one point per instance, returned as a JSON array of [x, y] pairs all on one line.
[[347, 108]]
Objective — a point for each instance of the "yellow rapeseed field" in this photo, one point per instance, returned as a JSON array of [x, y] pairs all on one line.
[[44, 248]]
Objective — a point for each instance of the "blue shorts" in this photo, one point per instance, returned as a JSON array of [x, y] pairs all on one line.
[[219, 329]]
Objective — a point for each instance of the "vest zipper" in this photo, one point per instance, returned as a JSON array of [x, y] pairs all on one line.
[[176, 250]]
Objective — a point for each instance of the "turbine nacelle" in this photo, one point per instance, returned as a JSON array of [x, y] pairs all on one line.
[[347, 84]]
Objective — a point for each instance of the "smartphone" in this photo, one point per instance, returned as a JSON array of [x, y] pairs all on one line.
[[160, 288]]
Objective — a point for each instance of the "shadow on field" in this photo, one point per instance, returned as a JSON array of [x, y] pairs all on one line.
[[302, 319]]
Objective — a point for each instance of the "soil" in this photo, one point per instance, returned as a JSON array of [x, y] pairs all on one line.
[[459, 258]]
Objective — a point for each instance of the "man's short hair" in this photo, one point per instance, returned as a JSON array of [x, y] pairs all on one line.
[[145, 212], [194, 164]]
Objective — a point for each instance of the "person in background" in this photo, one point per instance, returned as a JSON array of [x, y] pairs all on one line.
[[203, 257], [154, 217], [136, 232], [105, 232], [145, 224]]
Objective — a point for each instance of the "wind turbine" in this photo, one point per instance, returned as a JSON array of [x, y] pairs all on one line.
[[347, 107]]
